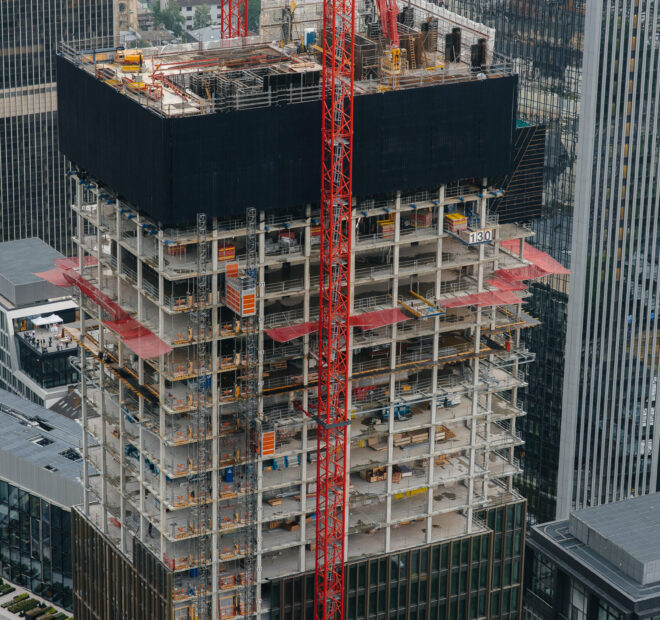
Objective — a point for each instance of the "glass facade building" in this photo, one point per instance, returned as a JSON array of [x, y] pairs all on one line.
[[609, 446], [474, 576], [602, 563], [544, 39], [108, 585], [34, 192], [34, 355], [40, 471], [35, 544]]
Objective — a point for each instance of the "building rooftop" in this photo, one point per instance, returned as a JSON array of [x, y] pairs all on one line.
[[615, 546], [40, 450], [215, 76], [19, 261], [208, 33], [626, 533]]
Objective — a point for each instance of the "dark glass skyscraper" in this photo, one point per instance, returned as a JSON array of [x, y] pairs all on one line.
[[589, 431], [609, 450], [34, 196], [544, 39]]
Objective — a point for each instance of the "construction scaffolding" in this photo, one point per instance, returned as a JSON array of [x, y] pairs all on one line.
[[205, 453]]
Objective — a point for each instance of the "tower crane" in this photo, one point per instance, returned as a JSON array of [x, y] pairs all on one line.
[[334, 304], [233, 19], [389, 12]]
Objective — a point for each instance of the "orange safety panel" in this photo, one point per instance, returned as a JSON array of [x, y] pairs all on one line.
[[227, 252], [268, 443]]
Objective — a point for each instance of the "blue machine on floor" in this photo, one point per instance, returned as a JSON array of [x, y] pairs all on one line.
[[401, 412]]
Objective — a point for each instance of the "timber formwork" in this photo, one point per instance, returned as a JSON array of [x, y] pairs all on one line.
[[433, 397]]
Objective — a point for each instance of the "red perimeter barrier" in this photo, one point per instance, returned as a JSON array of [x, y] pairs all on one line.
[[378, 318], [487, 298], [365, 321], [540, 259], [291, 332], [134, 335]]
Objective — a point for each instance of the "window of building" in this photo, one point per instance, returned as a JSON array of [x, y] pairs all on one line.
[[35, 544], [42, 441], [72, 454], [577, 608], [607, 611], [543, 578], [530, 614], [48, 369]]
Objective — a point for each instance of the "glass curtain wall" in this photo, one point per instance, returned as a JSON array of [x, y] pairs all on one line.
[[544, 38], [609, 446], [35, 544], [34, 193]]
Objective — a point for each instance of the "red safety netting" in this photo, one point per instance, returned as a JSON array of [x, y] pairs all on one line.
[[54, 276], [138, 338], [72, 263], [134, 335], [378, 318], [89, 290], [518, 274], [504, 284], [487, 298], [291, 332], [540, 259], [365, 321]]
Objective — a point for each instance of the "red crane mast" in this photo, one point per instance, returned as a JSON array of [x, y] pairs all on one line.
[[389, 12], [334, 310], [233, 19]]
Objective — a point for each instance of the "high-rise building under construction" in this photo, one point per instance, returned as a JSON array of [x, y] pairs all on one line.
[[198, 228]]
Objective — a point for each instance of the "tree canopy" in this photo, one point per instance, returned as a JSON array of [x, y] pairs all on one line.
[[202, 17], [170, 17]]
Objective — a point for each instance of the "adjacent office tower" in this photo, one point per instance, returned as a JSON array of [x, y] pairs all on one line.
[[607, 404], [198, 323], [602, 562], [40, 480], [544, 40], [34, 194], [609, 447]]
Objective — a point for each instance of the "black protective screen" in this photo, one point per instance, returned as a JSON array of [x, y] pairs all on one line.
[[269, 158]]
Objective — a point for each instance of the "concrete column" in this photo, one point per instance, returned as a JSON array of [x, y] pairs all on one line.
[[473, 422], [305, 394], [261, 255], [434, 371], [140, 290], [84, 411], [392, 385], [162, 429], [349, 395], [101, 375], [122, 459]]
